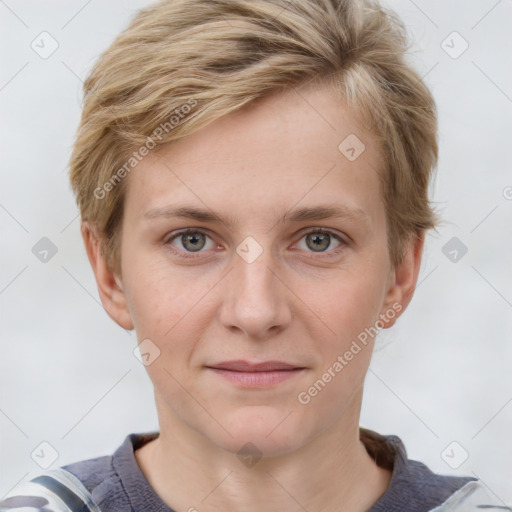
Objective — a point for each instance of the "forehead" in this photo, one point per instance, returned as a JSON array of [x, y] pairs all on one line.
[[298, 147]]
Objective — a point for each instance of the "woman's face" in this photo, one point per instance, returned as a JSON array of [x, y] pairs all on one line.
[[284, 259]]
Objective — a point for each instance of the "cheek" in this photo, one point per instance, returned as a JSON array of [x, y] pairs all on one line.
[[346, 303], [159, 296], [348, 308]]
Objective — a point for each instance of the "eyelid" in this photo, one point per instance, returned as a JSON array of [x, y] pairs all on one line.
[[341, 238], [169, 237]]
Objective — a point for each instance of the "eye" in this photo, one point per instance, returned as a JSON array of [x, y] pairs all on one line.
[[191, 240], [320, 240]]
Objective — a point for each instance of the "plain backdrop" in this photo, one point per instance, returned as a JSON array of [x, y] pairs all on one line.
[[441, 378]]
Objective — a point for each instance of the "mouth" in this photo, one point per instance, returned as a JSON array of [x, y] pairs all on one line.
[[246, 374]]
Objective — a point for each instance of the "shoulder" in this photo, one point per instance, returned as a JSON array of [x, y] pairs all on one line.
[[413, 485], [473, 496], [88, 483], [55, 490]]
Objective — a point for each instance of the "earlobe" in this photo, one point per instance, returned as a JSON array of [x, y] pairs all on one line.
[[402, 281], [109, 284]]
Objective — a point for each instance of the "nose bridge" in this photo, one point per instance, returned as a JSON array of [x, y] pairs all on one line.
[[254, 301], [254, 277], [252, 261]]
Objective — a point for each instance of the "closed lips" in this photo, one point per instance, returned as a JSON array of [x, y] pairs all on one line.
[[245, 366]]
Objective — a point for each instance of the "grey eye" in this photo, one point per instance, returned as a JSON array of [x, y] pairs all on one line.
[[318, 242], [193, 241]]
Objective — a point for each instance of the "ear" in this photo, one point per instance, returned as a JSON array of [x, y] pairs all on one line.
[[402, 281], [110, 289]]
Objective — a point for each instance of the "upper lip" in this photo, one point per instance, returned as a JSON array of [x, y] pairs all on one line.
[[246, 366]]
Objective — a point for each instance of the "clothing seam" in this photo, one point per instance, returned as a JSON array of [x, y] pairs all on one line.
[[118, 476]]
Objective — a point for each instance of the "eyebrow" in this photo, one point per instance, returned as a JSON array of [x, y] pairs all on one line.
[[297, 215]]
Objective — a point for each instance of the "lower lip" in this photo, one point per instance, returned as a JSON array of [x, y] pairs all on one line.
[[257, 379]]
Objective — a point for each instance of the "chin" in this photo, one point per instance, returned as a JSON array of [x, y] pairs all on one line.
[[263, 430]]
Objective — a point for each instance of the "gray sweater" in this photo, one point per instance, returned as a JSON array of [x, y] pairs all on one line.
[[116, 483]]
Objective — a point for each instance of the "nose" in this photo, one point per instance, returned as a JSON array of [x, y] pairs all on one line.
[[256, 303]]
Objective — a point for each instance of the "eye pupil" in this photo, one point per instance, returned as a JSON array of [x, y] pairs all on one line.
[[193, 241], [319, 241]]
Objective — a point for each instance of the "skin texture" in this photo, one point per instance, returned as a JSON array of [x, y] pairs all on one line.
[[291, 304]]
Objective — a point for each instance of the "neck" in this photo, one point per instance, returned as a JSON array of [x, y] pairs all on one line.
[[331, 472]]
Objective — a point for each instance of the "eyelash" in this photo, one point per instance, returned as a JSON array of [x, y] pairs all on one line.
[[191, 255]]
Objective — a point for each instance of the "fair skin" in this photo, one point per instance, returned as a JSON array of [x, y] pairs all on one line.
[[303, 300]]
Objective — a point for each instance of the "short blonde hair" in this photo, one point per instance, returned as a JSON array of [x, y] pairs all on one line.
[[182, 64]]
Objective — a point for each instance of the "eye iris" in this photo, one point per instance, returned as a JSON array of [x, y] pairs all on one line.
[[318, 241], [193, 241]]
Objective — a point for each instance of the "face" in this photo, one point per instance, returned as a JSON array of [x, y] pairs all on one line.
[[256, 239]]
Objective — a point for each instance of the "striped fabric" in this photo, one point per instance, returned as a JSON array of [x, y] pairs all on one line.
[[55, 490], [474, 496]]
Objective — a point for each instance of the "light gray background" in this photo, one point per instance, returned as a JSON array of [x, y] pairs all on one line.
[[67, 372]]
